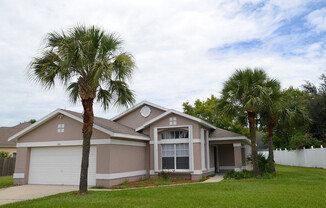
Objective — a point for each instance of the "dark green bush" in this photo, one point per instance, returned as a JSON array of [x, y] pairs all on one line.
[[238, 174], [165, 174], [4, 154], [262, 163]]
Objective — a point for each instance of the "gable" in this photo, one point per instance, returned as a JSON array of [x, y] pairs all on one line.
[[179, 121], [48, 131], [137, 117]]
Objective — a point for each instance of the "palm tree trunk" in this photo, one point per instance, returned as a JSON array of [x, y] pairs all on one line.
[[252, 128], [88, 119], [271, 162]]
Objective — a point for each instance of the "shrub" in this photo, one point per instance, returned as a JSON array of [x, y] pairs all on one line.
[[4, 154], [301, 140], [262, 163], [202, 179], [165, 174], [238, 174]]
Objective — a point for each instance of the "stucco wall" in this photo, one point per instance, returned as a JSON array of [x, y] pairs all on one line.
[[165, 122], [134, 119], [22, 164], [120, 158], [49, 131]]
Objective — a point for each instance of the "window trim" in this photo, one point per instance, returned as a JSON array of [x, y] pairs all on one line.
[[175, 157], [157, 141], [169, 131]]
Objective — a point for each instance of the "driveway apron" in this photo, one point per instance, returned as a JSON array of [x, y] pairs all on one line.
[[27, 192]]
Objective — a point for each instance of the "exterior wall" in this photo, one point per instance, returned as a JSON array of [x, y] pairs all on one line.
[[22, 165], [120, 158], [181, 121], [11, 150], [226, 155], [48, 131], [114, 182], [134, 119], [237, 156], [115, 160], [197, 156]]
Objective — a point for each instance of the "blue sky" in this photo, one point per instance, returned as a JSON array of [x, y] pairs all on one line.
[[184, 50]]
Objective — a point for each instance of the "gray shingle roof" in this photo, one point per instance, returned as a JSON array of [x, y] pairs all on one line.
[[109, 125], [221, 133]]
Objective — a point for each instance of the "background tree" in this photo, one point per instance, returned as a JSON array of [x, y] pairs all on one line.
[[93, 66], [294, 118], [317, 108], [245, 93], [209, 111]]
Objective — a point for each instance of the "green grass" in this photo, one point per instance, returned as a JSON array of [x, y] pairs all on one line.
[[292, 187], [6, 181]]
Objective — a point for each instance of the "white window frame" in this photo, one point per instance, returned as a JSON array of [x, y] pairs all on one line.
[[175, 157], [61, 128], [173, 141]]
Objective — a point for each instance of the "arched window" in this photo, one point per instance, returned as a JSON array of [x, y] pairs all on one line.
[[175, 135]]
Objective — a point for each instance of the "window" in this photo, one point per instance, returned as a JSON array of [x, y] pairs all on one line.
[[175, 156], [173, 121], [61, 128], [175, 135]]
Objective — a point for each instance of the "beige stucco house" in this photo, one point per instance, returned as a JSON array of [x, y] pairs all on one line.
[[138, 143], [6, 132]]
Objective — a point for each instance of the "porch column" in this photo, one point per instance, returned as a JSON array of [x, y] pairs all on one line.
[[237, 156]]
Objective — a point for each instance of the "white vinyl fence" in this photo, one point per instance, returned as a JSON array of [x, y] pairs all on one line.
[[314, 157]]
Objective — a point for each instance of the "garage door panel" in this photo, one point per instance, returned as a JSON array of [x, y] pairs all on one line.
[[60, 166]]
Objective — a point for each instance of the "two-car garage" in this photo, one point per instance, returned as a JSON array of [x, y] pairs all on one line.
[[60, 165]]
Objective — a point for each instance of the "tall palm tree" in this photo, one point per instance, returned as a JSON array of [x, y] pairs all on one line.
[[244, 94], [270, 115], [285, 110], [93, 66]]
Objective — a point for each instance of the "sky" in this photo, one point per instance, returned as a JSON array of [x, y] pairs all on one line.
[[184, 50]]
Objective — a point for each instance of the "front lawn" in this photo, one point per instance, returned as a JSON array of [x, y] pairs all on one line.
[[292, 187], [6, 181]]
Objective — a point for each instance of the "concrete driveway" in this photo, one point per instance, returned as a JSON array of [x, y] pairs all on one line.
[[26, 192]]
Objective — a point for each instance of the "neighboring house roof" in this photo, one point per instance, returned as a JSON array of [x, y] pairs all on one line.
[[170, 111], [144, 102], [6, 132], [104, 125]]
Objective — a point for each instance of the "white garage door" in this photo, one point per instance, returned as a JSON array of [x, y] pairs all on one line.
[[60, 166]]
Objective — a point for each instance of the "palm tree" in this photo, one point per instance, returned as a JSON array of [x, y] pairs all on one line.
[[244, 94], [93, 67], [285, 110], [269, 116]]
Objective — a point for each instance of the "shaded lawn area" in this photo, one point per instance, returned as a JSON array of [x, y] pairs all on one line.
[[6, 181], [292, 187]]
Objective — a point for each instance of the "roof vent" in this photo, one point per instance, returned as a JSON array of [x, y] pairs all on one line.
[[145, 111]]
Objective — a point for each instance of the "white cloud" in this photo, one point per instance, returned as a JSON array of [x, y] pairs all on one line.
[[317, 19], [169, 39]]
